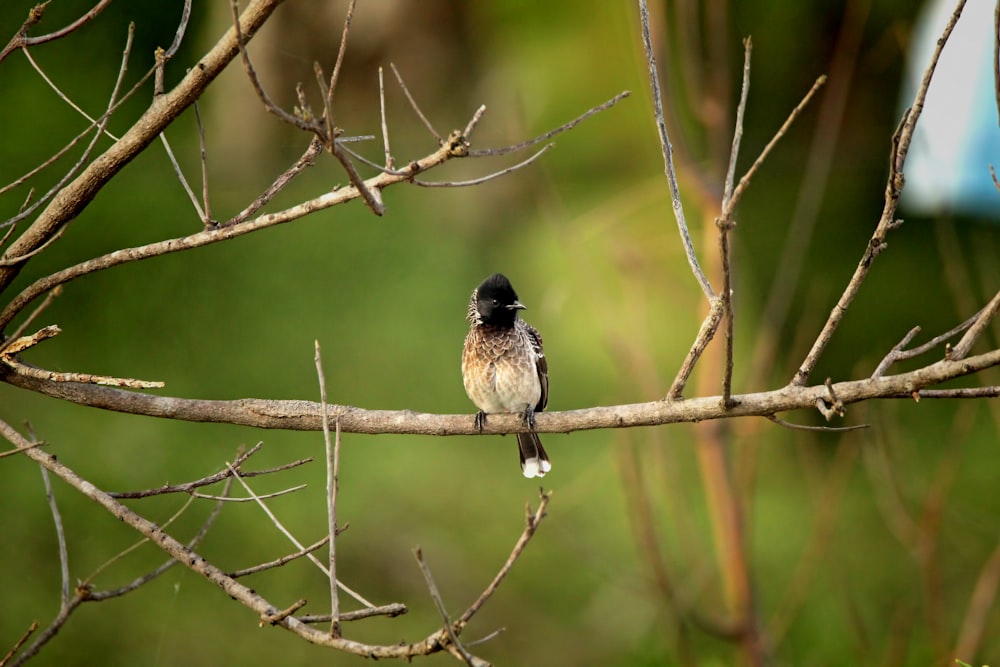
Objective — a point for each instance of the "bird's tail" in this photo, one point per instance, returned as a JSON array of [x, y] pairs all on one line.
[[534, 460]]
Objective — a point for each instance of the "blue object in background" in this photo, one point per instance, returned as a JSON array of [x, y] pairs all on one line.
[[957, 137]]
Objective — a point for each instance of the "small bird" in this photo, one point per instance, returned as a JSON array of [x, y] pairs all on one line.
[[504, 368]]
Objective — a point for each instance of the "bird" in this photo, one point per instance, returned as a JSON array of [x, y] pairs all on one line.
[[504, 368]]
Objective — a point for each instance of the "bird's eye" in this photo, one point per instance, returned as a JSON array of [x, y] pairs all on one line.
[[496, 302]]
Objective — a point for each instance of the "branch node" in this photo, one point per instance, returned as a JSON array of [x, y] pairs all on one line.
[[276, 617]]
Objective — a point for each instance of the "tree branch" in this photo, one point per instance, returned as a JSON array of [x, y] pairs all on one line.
[[307, 416]]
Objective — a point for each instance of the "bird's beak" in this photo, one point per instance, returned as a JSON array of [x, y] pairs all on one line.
[[517, 305]]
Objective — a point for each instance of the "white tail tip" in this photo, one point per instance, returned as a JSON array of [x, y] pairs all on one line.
[[535, 468]]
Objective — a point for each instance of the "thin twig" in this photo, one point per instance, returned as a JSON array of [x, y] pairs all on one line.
[[371, 195], [180, 177], [487, 177], [745, 179], [97, 596], [565, 127], [224, 232], [668, 155], [332, 470], [390, 163], [219, 476], [331, 130], [439, 603], [474, 121], [262, 95], [203, 152], [307, 159], [60, 538], [19, 643], [129, 549], [98, 123], [414, 105], [898, 353], [391, 610], [22, 40], [807, 427], [532, 521], [709, 327], [734, 152], [262, 496], [291, 538], [278, 562], [725, 223], [14, 452], [179, 33], [15, 337], [961, 349]]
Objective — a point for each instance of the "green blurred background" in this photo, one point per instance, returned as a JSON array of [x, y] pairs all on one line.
[[865, 547]]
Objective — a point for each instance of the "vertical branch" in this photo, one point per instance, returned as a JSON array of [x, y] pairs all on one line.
[[725, 223], [668, 155], [64, 600], [331, 130], [206, 207], [332, 470], [389, 162]]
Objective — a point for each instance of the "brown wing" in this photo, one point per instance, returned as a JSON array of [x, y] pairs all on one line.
[[541, 365]]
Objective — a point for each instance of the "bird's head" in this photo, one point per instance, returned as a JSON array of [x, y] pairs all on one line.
[[495, 302]]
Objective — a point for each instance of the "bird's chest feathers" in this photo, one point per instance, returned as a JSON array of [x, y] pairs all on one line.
[[500, 372]]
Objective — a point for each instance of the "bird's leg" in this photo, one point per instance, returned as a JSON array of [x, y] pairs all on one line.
[[529, 417], [480, 421]]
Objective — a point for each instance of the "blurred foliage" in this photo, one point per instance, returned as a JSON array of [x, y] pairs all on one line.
[[587, 237]]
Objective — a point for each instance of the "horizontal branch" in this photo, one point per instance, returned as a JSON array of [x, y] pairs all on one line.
[[307, 415]]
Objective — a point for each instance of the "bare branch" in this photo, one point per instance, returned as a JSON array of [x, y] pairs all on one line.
[[21, 39], [60, 539], [181, 30], [15, 338], [963, 346], [532, 520], [305, 124], [887, 221], [278, 562], [291, 538], [19, 643], [306, 415], [7, 358], [332, 483], [467, 657], [487, 177], [807, 427], [331, 130], [225, 232], [75, 196], [708, 328], [414, 105], [745, 180], [565, 127], [391, 610], [390, 163], [306, 160], [668, 155]]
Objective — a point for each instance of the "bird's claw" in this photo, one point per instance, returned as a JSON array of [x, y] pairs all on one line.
[[480, 421]]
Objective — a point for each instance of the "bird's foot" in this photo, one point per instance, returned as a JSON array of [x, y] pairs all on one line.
[[480, 421], [529, 417]]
